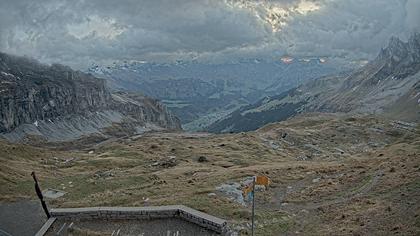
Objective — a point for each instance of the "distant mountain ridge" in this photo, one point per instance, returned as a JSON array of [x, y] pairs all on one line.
[[388, 85], [198, 92], [58, 104]]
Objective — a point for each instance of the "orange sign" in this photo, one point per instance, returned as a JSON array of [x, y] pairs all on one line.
[[246, 190], [262, 180]]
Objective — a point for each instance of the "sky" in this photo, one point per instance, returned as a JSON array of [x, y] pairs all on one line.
[[82, 32]]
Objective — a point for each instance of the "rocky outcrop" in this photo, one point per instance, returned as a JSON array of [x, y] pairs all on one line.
[[142, 108], [46, 100]]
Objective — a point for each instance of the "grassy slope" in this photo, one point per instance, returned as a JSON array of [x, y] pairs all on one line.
[[371, 187]]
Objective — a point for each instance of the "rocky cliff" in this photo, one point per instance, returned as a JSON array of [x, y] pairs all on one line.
[[379, 84], [58, 103]]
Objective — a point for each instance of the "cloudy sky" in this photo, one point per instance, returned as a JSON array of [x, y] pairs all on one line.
[[81, 32]]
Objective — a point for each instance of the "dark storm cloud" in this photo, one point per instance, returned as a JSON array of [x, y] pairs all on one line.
[[80, 32], [356, 28]]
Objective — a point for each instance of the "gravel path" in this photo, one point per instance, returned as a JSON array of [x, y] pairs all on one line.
[[21, 218], [299, 185]]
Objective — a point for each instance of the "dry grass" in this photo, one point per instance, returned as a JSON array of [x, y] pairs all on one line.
[[124, 172]]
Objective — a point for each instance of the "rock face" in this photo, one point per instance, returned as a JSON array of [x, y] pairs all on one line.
[[46, 100], [379, 84], [145, 109], [389, 85]]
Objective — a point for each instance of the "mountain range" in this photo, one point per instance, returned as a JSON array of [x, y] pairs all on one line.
[[343, 161], [201, 93], [57, 103], [388, 85]]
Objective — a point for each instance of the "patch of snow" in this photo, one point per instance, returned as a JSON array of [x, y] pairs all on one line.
[[7, 74], [125, 100], [53, 193], [234, 192]]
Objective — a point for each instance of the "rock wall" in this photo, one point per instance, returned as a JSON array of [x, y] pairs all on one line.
[[144, 109], [136, 213], [33, 93]]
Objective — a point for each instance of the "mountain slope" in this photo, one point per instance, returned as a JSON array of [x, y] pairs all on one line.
[[388, 85], [383, 81], [57, 103]]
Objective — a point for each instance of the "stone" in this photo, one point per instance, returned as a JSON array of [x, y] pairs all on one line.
[[202, 159], [339, 150], [53, 193], [103, 174], [316, 180]]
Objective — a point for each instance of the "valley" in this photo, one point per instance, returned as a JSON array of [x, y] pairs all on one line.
[[201, 93]]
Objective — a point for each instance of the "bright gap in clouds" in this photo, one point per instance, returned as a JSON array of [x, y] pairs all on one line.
[[276, 14], [305, 7], [95, 26]]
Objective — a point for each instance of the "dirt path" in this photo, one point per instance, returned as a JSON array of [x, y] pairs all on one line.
[[364, 189], [294, 207], [304, 212]]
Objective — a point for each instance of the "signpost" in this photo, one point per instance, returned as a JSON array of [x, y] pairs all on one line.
[[248, 192], [39, 193], [253, 205]]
